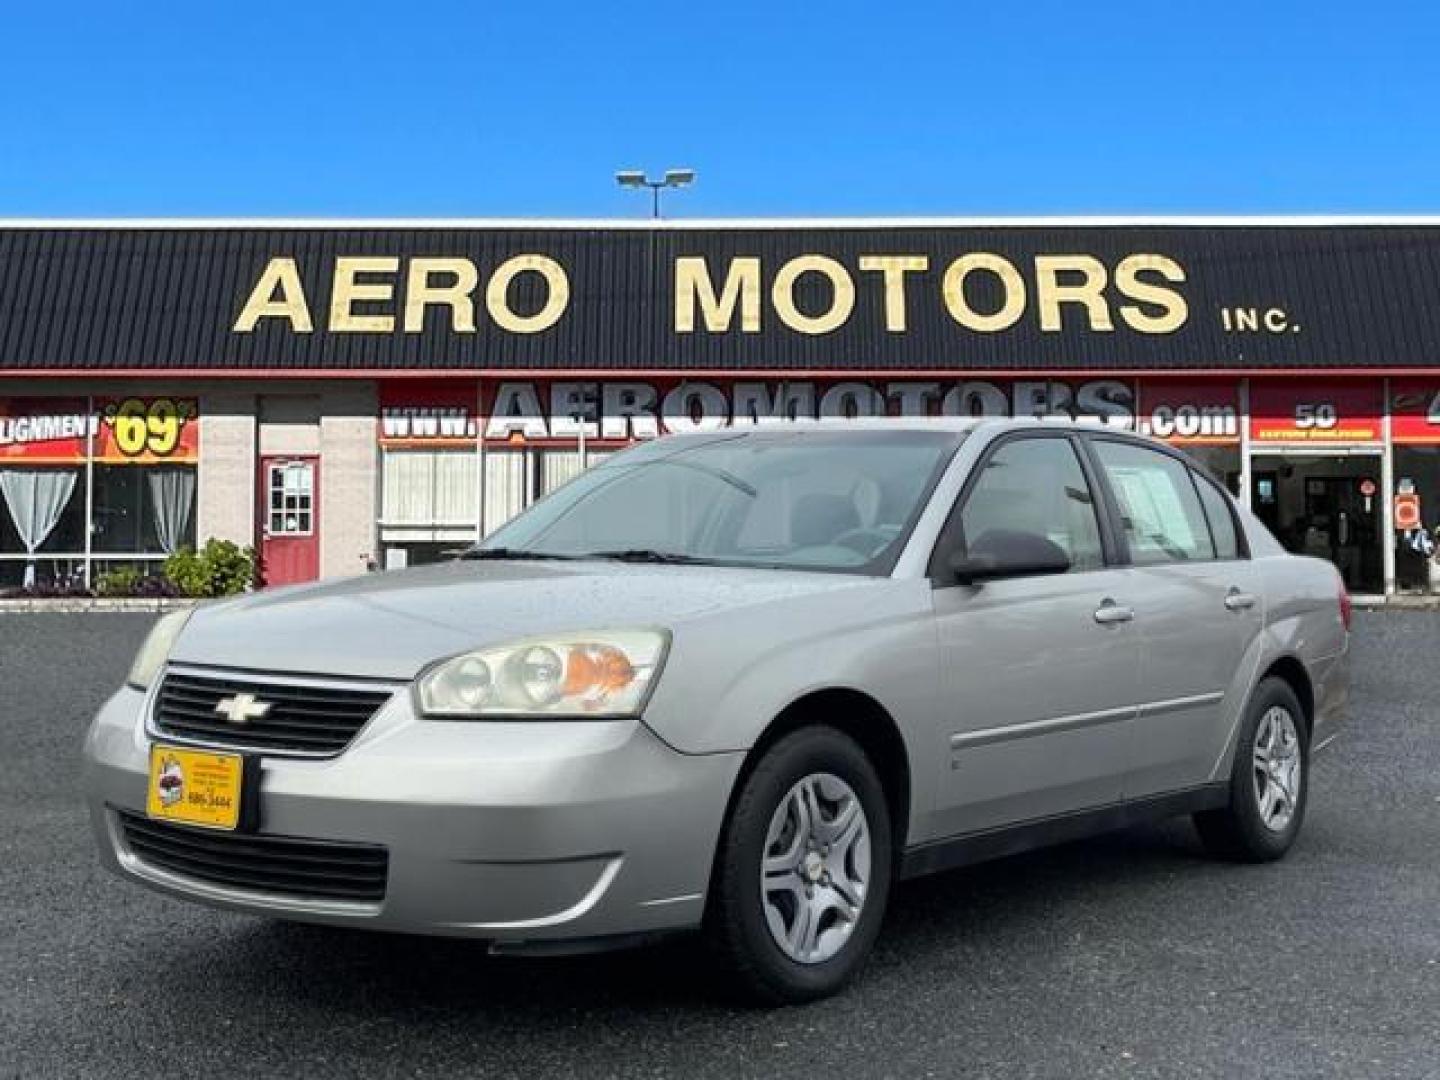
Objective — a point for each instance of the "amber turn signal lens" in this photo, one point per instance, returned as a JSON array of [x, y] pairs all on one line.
[[596, 671]]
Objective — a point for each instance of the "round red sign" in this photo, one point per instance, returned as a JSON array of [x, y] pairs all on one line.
[[1367, 488], [1407, 512]]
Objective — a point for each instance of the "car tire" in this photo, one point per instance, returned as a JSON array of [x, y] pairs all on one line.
[[1272, 760], [813, 804]]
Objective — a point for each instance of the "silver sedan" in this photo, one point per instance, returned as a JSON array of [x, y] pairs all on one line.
[[739, 681]]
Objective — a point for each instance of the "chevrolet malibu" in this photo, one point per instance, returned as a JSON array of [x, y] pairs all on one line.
[[739, 681]]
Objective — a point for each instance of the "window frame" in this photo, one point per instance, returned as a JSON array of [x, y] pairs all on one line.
[[282, 469], [951, 536], [1196, 475], [1199, 476], [101, 553]]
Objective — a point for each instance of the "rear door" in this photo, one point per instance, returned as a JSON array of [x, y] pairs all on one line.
[[1198, 609], [1039, 674]]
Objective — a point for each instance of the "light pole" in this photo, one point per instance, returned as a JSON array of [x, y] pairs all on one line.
[[673, 178]]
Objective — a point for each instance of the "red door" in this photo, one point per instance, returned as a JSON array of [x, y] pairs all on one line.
[[289, 518]]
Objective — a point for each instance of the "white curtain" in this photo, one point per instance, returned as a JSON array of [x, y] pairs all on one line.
[[430, 487], [504, 486], [558, 467], [36, 498], [172, 494]]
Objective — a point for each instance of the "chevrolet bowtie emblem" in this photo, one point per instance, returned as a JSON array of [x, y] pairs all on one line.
[[242, 708]]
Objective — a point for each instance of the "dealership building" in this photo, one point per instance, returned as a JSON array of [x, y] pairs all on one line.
[[346, 395]]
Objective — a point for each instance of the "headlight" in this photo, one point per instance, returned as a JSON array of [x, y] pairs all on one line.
[[152, 654], [609, 673]]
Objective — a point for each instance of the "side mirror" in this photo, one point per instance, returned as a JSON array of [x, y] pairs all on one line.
[[1002, 553]]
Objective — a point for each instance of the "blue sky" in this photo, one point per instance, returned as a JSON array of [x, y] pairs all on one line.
[[483, 108]]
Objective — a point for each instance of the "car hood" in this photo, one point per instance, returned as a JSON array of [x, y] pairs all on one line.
[[391, 625]]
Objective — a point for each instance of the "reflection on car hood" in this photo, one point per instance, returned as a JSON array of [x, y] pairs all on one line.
[[391, 625]]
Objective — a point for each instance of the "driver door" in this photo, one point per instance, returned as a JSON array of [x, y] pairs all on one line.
[[1039, 674]]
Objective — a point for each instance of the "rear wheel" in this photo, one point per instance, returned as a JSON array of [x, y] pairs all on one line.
[[803, 871], [1268, 783]]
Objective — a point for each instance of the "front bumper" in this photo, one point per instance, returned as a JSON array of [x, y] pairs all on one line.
[[513, 832]]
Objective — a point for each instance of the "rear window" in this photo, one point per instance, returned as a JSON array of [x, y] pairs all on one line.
[[1160, 511], [1222, 520]]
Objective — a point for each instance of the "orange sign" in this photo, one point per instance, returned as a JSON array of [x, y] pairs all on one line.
[[1407, 511], [1415, 411], [120, 431], [1315, 412]]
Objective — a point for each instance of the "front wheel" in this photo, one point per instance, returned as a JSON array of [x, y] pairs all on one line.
[[803, 871], [1268, 783]]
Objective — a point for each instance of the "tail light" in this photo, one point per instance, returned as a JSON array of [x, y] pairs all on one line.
[[1347, 610]]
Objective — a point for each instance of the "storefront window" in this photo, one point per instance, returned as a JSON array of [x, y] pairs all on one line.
[[429, 503], [1326, 506], [1417, 480], [143, 509], [45, 510], [129, 463], [44, 515]]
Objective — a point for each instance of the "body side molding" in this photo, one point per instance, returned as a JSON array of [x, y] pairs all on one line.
[[968, 848]]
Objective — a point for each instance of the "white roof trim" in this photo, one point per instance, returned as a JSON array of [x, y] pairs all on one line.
[[1094, 221]]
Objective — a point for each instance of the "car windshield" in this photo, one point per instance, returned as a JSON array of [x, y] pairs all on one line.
[[836, 501]]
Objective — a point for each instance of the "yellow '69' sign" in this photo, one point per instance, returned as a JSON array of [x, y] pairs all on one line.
[[149, 429]]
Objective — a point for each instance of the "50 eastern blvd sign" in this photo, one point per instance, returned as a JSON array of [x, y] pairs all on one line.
[[981, 291]]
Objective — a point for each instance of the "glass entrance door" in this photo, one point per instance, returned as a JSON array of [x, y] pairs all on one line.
[[1327, 506]]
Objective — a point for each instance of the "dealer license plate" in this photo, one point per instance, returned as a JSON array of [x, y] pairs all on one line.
[[195, 787]]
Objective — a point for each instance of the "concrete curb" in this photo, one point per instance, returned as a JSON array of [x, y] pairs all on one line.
[[93, 603]]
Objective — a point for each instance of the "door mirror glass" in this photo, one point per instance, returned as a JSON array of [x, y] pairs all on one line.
[[1001, 553]]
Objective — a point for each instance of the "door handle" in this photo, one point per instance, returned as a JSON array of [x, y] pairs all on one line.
[[1235, 600], [1110, 612]]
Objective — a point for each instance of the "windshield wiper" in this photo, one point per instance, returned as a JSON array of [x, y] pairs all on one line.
[[510, 553], [644, 555], [712, 470]]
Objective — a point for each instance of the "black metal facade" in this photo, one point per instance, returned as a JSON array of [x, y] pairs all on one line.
[[152, 300]]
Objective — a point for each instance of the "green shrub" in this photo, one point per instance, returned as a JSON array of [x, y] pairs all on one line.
[[121, 581], [134, 582], [189, 572], [220, 568]]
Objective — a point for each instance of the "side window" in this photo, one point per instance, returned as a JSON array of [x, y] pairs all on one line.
[[1222, 520], [1035, 486], [1159, 509]]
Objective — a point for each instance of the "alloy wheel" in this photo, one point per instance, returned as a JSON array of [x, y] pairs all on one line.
[[815, 872], [1277, 768]]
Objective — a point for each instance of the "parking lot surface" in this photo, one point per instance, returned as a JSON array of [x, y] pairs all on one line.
[[1130, 955]]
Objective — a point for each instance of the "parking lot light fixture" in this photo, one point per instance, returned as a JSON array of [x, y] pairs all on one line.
[[673, 178]]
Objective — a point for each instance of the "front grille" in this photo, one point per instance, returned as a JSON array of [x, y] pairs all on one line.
[[303, 718], [284, 865]]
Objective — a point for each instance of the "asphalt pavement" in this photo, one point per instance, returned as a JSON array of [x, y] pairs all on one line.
[[1130, 955]]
